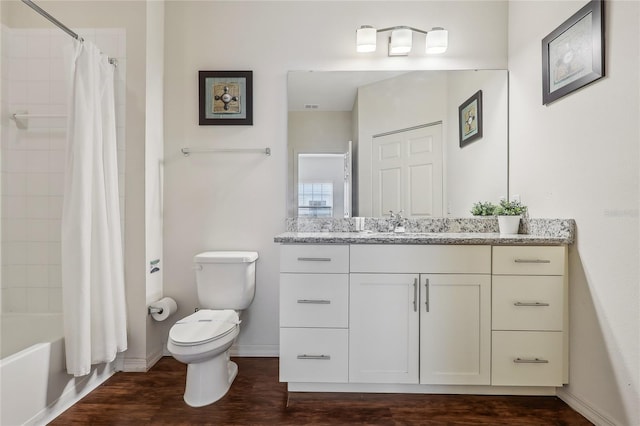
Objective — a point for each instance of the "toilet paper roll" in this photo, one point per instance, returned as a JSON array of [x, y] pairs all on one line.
[[168, 306]]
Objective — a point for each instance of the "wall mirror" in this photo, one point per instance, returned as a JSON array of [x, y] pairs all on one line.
[[390, 140]]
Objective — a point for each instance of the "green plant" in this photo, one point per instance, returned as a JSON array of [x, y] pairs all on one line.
[[483, 208], [510, 208]]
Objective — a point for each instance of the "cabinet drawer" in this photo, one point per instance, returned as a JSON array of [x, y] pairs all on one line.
[[526, 358], [433, 259], [314, 300], [314, 355], [314, 258], [529, 260], [527, 302]]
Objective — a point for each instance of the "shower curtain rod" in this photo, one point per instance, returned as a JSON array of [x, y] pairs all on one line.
[[59, 24]]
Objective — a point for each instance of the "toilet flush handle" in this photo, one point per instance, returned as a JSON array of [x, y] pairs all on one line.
[[197, 267]]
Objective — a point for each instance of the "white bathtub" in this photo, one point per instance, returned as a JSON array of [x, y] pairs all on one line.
[[35, 387]]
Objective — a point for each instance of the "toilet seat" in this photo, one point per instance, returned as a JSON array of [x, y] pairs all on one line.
[[204, 326]]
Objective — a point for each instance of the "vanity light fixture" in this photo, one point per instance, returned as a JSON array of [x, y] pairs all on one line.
[[401, 39]]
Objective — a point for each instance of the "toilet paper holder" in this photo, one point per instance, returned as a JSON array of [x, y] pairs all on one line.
[[154, 310]]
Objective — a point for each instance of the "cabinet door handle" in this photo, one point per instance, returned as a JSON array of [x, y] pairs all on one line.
[[415, 295], [319, 357], [426, 295], [314, 259], [532, 261], [530, 304], [315, 301], [530, 361]]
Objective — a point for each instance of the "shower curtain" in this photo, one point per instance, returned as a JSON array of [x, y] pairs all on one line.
[[92, 257]]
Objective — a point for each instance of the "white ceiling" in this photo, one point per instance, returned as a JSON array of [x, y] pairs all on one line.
[[330, 90]]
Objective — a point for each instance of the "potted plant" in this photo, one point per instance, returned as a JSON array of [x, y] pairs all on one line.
[[483, 208], [509, 214]]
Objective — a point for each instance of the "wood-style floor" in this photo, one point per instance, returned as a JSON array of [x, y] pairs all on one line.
[[257, 398]]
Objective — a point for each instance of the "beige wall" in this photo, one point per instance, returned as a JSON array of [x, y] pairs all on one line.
[[579, 158], [478, 171], [154, 157]]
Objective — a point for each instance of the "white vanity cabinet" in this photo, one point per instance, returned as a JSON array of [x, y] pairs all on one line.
[[431, 326], [423, 318], [314, 319], [530, 316]]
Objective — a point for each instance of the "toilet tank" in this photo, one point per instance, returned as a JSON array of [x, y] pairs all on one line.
[[226, 279]]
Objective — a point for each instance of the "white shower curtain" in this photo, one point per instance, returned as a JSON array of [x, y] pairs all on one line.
[[92, 258]]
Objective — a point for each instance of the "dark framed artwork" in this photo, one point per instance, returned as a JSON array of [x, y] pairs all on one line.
[[226, 97], [470, 119], [573, 53]]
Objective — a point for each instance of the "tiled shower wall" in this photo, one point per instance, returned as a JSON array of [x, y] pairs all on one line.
[[33, 159]]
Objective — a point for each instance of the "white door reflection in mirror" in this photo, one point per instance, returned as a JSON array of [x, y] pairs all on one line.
[[407, 170], [324, 185]]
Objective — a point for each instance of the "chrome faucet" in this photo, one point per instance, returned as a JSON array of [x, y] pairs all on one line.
[[396, 224]]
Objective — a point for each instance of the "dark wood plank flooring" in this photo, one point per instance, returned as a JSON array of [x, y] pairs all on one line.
[[257, 398]]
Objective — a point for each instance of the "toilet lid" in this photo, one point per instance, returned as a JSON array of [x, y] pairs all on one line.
[[204, 326]]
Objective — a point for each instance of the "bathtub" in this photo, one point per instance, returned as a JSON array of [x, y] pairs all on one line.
[[35, 387]]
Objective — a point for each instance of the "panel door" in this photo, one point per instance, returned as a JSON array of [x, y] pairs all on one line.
[[455, 329], [383, 335], [407, 169]]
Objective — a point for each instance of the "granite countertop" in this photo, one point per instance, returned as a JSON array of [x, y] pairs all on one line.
[[427, 231], [477, 238]]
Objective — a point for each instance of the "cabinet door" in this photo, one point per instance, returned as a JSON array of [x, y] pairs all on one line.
[[455, 329], [383, 328]]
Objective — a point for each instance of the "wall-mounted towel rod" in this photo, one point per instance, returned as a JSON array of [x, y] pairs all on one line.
[[187, 151], [24, 115]]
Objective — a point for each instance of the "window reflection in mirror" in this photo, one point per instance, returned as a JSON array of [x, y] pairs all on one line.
[[323, 185]]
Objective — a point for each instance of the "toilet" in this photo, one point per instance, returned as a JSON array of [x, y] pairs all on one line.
[[226, 286]]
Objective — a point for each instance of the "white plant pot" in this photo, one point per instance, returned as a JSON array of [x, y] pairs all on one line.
[[508, 224]]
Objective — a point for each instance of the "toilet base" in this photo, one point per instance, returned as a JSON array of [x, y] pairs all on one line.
[[210, 380]]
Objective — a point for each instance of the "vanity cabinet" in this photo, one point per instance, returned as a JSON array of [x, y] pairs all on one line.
[[423, 318], [314, 321], [429, 327], [530, 315]]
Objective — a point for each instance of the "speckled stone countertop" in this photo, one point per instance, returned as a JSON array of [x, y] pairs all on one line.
[[428, 231]]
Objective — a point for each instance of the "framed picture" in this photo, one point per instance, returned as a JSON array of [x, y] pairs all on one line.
[[573, 54], [470, 119], [226, 97]]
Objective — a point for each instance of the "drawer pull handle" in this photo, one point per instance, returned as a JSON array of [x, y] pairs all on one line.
[[314, 259], [530, 361], [415, 295], [530, 304], [320, 357], [532, 261], [315, 301]]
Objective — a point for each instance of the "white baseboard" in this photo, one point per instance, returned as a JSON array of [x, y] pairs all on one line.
[[141, 365], [584, 408]]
